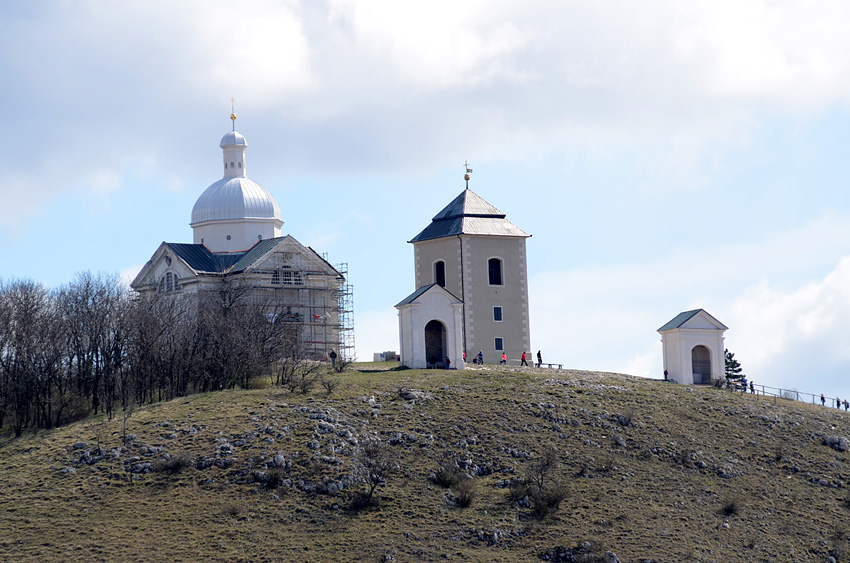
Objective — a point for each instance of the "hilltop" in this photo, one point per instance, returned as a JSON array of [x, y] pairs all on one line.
[[649, 471]]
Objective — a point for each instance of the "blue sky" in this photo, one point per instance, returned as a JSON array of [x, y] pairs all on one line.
[[664, 155]]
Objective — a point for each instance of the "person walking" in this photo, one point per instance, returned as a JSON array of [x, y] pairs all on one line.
[[332, 356], [523, 362], [448, 363], [480, 358], [504, 359], [539, 359], [752, 388], [822, 400], [846, 405], [837, 403]]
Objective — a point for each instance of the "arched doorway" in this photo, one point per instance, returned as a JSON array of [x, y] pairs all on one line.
[[701, 364], [435, 343]]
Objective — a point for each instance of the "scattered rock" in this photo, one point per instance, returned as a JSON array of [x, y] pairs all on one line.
[[838, 443]]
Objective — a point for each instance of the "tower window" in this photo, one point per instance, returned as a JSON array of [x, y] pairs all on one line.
[[500, 345], [231, 165], [240, 165], [497, 314], [494, 268], [440, 273]]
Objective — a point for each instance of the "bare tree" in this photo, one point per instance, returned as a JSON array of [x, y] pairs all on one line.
[[374, 462]]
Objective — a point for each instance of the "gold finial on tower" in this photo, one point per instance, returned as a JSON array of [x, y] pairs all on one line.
[[233, 112], [468, 172]]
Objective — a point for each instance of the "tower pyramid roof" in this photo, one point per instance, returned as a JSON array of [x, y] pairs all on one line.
[[469, 214]]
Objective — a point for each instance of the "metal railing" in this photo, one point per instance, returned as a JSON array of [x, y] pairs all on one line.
[[794, 395]]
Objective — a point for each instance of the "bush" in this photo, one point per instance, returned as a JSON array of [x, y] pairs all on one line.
[[730, 507], [518, 490], [447, 475], [330, 384], [174, 463], [374, 462], [548, 500], [464, 492]]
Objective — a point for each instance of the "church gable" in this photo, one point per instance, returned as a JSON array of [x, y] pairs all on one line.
[[285, 253], [166, 271], [697, 319]]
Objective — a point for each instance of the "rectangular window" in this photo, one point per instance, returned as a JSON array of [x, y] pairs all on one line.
[[497, 314], [499, 345]]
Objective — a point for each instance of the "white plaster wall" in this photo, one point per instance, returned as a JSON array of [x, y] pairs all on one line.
[[677, 345], [433, 305], [243, 233]]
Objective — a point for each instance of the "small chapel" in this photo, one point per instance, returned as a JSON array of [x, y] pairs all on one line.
[[237, 239], [471, 288]]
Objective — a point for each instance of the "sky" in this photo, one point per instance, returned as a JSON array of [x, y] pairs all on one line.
[[664, 155]]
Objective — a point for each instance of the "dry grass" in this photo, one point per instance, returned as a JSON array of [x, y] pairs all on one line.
[[665, 495]]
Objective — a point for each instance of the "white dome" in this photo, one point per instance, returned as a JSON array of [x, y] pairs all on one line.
[[235, 198], [233, 138]]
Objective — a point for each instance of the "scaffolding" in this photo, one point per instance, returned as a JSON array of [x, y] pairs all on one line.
[[320, 300], [346, 314]]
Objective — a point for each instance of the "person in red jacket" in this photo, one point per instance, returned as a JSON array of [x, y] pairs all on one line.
[[523, 362]]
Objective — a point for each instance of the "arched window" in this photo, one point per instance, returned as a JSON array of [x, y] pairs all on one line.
[[169, 283], [440, 273], [494, 267]]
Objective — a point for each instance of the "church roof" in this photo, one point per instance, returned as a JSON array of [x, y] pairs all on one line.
[[235, 198], [469, 214], [679, 320], [420, 292], [201, 259]]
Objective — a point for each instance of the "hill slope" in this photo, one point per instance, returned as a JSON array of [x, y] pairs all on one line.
[[683, 473]]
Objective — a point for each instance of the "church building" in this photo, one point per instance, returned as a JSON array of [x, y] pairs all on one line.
[[472, 288], [237, 224]]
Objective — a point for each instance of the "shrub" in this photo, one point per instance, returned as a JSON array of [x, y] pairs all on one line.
[[518, 490], [464, 492], [548, 500], [374, 462], [730, 507], [330, 384], [174, 463], [447, 475], [541, 468]]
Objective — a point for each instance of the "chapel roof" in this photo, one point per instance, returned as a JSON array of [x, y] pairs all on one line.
[[469, 214], [679, 320], [420, 292]]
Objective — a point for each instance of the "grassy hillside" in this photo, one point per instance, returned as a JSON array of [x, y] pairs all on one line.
[[682, 474]]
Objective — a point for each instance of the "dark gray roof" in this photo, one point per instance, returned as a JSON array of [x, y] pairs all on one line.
[[247, 258], [419, 292], [682, 318], [201, 259], [469, 214]]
